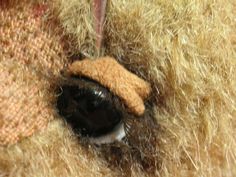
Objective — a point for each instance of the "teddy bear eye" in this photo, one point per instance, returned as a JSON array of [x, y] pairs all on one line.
[[89, 108]]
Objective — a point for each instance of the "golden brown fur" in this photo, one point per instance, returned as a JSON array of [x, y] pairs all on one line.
[[186, 50]]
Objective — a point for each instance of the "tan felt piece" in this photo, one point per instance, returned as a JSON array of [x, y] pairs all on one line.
[[109, 73]]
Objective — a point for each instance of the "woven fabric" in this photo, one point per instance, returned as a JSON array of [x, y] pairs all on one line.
[[28, 53]]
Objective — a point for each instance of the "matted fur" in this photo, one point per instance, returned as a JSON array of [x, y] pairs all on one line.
[[186, 50]]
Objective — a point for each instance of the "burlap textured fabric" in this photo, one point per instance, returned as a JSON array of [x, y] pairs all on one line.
[[28, 55]]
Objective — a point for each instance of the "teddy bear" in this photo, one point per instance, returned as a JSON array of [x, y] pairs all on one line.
[[183, 54]]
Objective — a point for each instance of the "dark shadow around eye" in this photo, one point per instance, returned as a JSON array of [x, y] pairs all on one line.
[[89, 108]]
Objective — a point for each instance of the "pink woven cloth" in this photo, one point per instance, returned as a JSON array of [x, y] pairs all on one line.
[[28, 52]]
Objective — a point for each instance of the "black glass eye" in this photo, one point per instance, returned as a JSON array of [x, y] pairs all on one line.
[[88, 107]]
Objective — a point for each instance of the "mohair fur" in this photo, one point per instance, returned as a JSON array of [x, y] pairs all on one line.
[[186, 50]]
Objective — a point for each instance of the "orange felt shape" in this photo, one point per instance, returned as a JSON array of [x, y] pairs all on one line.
[[109, 73]]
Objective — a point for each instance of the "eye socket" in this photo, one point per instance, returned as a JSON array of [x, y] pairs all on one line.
[[89, 108]]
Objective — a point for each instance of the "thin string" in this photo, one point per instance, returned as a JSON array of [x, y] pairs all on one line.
[[99, 10]]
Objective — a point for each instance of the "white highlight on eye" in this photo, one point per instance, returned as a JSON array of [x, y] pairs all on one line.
[[117, 134], [99, 93]]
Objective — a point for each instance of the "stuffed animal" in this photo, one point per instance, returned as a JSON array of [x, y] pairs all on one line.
[[117, 88]]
